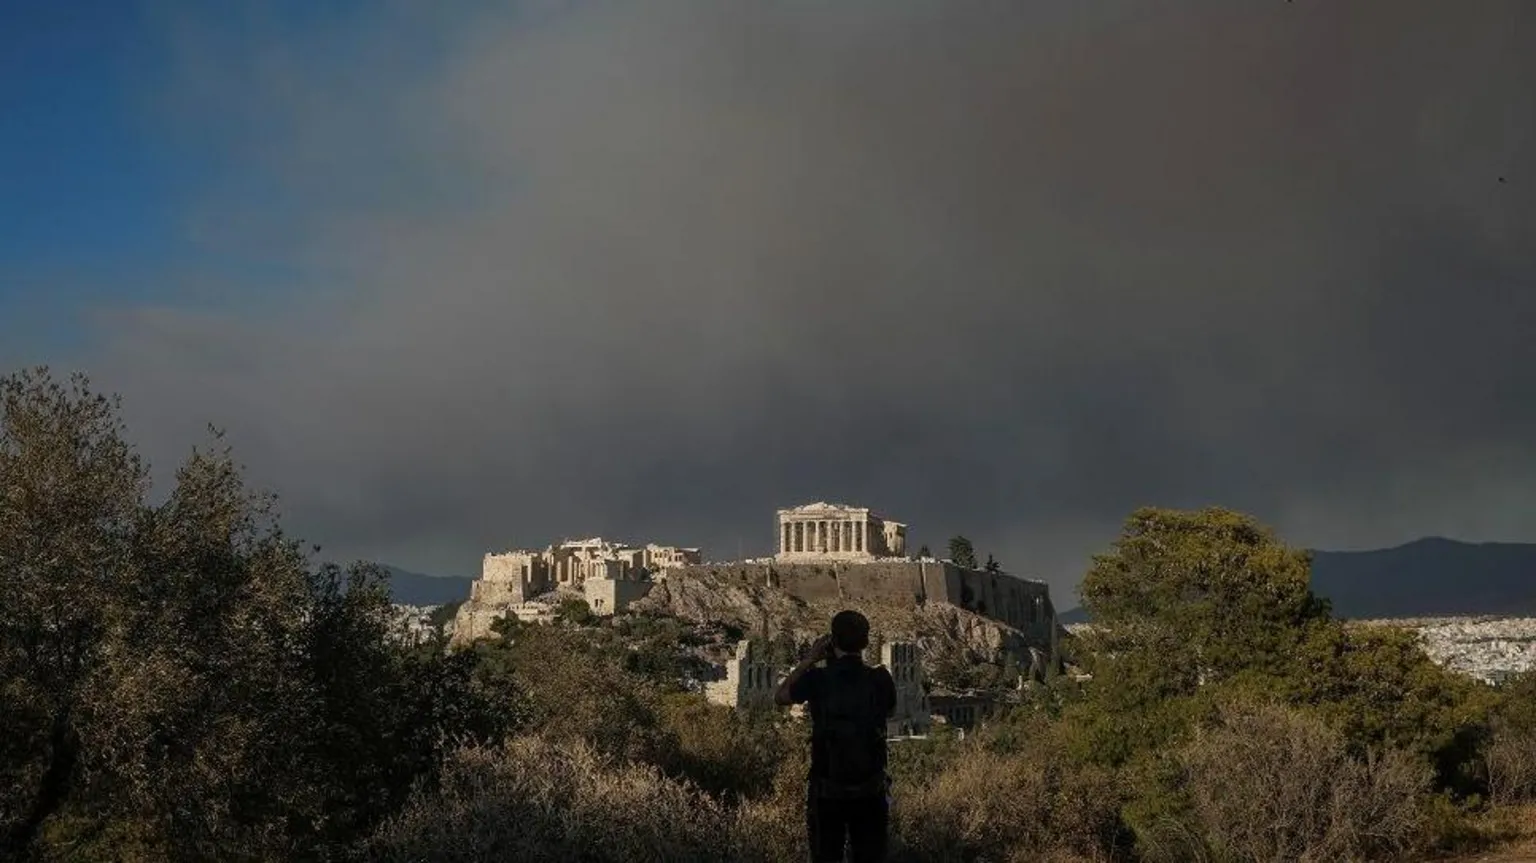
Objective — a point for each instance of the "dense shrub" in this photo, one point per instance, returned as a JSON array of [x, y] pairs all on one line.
[[1267, 783], [1378, 688], [572, 690], [728, 753], [1023, 807], [1510, 758], [534, 800]]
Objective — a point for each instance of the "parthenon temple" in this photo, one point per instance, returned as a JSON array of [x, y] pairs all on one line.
[[822, 531]]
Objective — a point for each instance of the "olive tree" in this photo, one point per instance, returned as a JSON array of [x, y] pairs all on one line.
[[176, 680]]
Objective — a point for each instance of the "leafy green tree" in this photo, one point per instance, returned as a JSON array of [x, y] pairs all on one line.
[[178, 683], [962, 552], [1195, 611], [1184, 602], [71, 500], [444, 614], [992, 564], [575, 611], [1378, 687], [1212, 591]]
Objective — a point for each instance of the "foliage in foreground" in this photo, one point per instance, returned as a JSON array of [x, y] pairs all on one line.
[[178, 682]]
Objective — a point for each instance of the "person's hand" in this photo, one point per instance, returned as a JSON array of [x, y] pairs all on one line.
[[822, 648]]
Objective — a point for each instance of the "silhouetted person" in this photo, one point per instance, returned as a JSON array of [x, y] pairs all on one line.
[[849, 703]]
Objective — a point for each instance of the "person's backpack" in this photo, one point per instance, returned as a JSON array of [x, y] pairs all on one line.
[[853, 728]]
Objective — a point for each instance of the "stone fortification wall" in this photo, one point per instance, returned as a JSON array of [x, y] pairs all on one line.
[[889, 582], [1018, 603]]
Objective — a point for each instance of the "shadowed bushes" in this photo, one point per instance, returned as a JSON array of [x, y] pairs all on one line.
[[532, 799], [535, 799], [1010, 808], [1267, 783], [1510, 758]]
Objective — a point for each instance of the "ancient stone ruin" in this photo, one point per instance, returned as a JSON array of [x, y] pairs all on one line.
[[827, 556], [913, 715], [830, 531], [526, 584], [749, 683]]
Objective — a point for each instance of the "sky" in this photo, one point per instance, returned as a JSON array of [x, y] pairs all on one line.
[[457, 278]]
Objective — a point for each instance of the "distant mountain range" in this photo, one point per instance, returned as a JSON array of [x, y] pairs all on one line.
[[1430, 577], [414, 588]]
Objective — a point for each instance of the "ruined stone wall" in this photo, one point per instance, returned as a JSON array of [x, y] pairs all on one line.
[[749, 682], [503, 579], [912, 714], [608, 596], [472, 622]]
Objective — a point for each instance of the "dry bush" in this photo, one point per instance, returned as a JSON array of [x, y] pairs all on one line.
[[771, 829], [575, 694], [1510, 758], [729, 754], [1270, 784], [1029, 806], [533, 800]]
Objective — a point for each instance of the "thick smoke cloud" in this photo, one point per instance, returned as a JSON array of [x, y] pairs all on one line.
[[652, 270]]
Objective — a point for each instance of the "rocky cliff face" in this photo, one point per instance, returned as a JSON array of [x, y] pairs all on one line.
[[951, 638]]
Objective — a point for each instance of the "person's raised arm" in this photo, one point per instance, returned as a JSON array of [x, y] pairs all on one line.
[[784, 695]]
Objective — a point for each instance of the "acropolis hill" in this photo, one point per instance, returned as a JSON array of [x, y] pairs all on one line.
[[828, 556]]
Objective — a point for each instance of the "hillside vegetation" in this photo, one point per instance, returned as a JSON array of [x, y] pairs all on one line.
[[179, 682]]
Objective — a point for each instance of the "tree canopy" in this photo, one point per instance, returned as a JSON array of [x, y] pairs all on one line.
[[962, 552], [179, 682], [1195, 608]]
